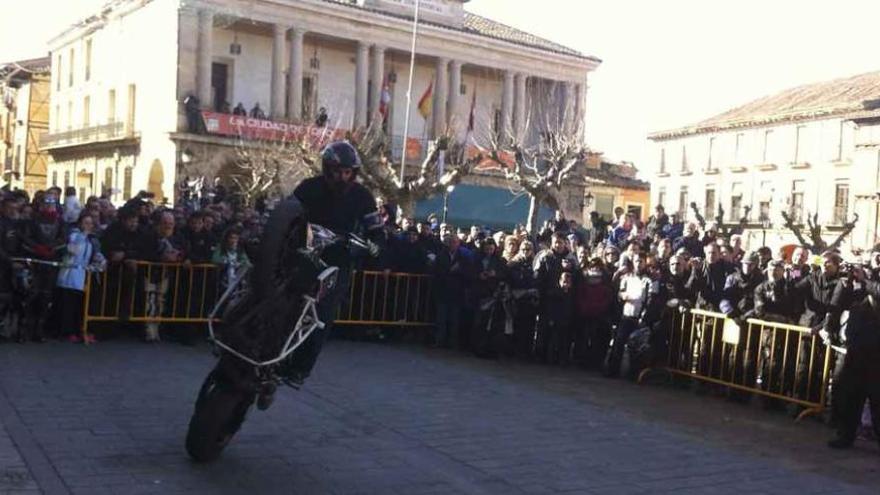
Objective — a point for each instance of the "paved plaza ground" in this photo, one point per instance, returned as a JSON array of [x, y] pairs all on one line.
[[396, 419]]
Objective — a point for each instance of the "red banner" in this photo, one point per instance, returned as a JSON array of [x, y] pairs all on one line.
[[250, 128], [488, 163]]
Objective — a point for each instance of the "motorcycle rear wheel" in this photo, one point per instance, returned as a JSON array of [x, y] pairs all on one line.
[[219, 414]]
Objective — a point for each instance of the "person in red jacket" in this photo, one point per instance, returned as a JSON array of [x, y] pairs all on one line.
[[593, 299]]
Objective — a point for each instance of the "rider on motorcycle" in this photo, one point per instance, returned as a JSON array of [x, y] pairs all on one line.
[[336, 201]]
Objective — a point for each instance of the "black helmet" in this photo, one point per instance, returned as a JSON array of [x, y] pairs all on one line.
[[340, 154]]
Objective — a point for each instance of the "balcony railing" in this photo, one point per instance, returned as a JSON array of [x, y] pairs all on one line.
[[86, 135]]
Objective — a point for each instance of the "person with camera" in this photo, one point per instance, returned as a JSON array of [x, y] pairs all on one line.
[[707, 281], [821, 312], [549, 266], [858, 378]]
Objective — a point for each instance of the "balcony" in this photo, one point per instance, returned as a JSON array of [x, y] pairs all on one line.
[[87, 135]]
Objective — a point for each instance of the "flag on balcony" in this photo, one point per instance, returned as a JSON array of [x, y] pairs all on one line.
[[426, 102], [471, 119], [385, 98]]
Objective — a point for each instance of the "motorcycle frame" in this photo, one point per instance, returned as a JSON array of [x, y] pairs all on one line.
[[306, 324]]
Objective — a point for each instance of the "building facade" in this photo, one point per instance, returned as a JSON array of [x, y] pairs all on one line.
[[810, 150], [120, 78], [24, 118]]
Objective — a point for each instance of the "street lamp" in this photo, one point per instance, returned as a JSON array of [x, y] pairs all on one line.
[[446, 194]]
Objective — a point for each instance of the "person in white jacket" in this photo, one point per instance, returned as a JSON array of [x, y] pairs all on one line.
[[635, 288], [72, 208]]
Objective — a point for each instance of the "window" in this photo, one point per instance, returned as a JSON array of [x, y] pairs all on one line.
[[108, 181], [605, 206], [683, 202], [111, 106], [684, 159], [54, 179], [738, 152], [58, 73], [88, 59], [126, 184], [765, 200], [57, 118], [70, 69], [66, 180], [132, 97], [636, 210], [796, 207], [736, 198], [662, 160], [841, 203], [309, 98], [17, 167], [709, 205], [840, 141], [69, 115], [768, 141], [713, 150], [801, 143], [661, 197], [87, 103]]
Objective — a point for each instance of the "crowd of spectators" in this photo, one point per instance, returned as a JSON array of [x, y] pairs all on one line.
[[596, 296]]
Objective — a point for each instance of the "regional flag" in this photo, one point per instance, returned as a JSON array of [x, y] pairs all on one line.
[[385, 98], [426, 102]]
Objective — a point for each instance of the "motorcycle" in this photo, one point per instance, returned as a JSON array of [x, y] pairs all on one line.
[[266, 314]]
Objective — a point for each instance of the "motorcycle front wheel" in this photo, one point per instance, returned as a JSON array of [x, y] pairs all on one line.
[[219, 413]]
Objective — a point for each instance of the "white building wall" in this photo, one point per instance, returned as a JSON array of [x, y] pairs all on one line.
[[822, 153]]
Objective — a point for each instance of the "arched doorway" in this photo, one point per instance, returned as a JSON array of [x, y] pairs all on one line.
[[154, 184]]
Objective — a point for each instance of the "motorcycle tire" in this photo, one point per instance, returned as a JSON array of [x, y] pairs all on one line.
[[219, 414]]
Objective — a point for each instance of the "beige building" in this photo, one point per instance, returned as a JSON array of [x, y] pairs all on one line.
[[24, 117], [807, 150], [120, 77]]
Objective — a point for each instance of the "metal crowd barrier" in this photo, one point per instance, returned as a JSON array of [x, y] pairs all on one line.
[[775, 360], [387, 299], [147, 292]]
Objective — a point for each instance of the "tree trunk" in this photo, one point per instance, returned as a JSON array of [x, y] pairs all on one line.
[[533, 214]]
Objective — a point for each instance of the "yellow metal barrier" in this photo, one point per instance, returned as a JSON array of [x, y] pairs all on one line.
[[147, 292], [776, 360], [387, 298]]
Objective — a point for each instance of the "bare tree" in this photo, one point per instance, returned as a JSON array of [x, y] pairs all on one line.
[[816, 244], [445, 163], [724, 229], [269, 168], [540, 166]]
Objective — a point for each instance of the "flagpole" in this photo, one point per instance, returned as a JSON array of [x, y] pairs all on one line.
[[412, 65]]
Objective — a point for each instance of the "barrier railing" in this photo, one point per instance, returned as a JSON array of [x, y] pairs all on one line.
[[147, 292], [387, 298], [776, 360]]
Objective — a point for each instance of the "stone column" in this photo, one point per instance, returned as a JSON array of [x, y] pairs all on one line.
[[568, 108], [362, 61], [294, 91], [378, 78], [276, 95], [507, 106], [204, 58], [453, 116], [581, 104], [441, 88], [520, 107]]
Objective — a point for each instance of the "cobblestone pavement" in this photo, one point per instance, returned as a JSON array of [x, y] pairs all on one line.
[[396, 419]]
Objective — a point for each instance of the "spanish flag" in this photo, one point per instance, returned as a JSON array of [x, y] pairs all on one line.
[[427, 101]]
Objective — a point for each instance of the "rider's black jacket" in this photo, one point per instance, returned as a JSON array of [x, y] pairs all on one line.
[[352, 211]]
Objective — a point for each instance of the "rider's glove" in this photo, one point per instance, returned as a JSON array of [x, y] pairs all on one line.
[[373, 249]]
